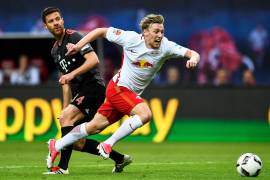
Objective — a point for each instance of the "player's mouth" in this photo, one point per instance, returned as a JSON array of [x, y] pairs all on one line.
[[157, 42]]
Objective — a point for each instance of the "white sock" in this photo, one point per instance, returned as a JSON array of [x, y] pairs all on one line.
[[130, 125], [75, 134]]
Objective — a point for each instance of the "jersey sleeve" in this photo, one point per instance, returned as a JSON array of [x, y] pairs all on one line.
[[76, 37], [120, 37], [175, 50]]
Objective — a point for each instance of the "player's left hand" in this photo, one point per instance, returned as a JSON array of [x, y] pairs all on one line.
[[191, 63], [65, 79]]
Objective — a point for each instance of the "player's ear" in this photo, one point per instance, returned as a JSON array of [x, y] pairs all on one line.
[[45, 26], [145, 31]]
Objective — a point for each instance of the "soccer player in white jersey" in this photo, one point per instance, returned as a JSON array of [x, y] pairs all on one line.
[[144, 54]]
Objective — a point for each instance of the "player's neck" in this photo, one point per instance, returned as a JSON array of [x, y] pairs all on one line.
[[149, 46], [59, 39]]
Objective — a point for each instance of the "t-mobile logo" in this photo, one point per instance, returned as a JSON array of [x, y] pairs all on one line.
[[63, 65]]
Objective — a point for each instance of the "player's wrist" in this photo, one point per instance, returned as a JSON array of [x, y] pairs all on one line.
[[77, 47], [73, 74]]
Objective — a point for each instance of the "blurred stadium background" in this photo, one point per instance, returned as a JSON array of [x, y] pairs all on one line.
[[226, 99]]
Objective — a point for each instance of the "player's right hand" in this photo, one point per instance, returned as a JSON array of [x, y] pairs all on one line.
[[191, 63], [72, 49]]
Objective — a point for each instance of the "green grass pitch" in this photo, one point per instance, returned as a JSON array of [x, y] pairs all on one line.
[[168, 161]]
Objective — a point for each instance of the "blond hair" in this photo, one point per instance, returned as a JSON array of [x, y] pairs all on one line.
[[151, 19]]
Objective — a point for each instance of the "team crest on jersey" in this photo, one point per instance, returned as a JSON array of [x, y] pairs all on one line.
[[117, 32], [143, 64]]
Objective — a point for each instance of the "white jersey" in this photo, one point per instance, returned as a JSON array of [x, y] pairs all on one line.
[[140, 64]]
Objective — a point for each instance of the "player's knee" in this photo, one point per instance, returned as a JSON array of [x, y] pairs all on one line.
[[146, 116], [62, 120], [96, 131], [65, 118]]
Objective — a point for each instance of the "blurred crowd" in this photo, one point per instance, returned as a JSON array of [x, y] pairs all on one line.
[[23, 71], [222, 63]]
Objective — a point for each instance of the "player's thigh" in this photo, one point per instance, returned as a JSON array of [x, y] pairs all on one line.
[[125, 100], [109, 111]]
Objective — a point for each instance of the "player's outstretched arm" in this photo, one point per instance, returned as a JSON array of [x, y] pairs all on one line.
[[91, 36], [194, 58]]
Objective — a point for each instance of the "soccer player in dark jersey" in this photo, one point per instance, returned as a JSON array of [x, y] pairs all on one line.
[[83, 90]]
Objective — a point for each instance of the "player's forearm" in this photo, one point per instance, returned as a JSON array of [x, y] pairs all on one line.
[[90, 62], [66, 95], [91, 36]]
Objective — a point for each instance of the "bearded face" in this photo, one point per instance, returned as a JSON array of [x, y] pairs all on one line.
[[55, 24]]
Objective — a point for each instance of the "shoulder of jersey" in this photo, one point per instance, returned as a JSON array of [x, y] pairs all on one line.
[[134, 37], [165, 39], [133, 33], [164, 42]]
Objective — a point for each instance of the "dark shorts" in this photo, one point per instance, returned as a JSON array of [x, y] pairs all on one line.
[[88, 99]]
